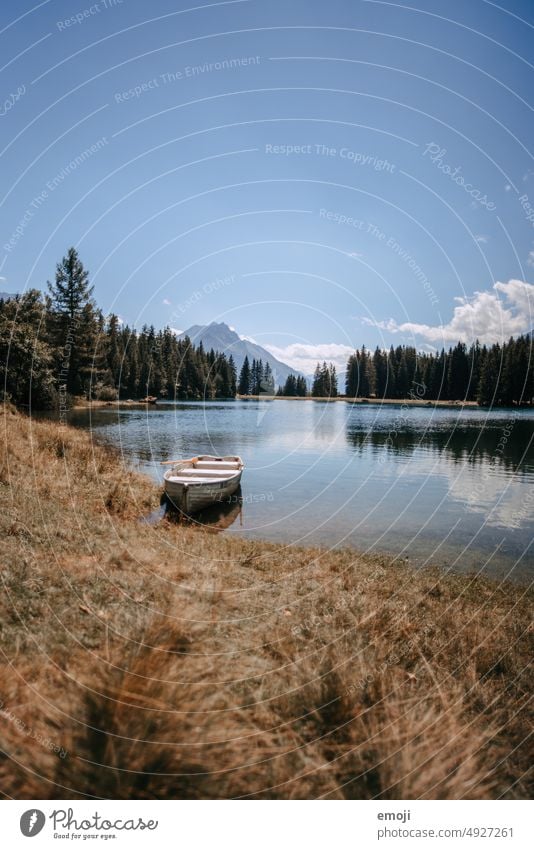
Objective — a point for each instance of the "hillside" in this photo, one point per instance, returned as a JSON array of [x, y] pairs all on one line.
[[163, 661], [222, 338]]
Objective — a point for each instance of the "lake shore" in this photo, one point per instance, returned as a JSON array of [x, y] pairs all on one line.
[[81, 403], [190, 664]]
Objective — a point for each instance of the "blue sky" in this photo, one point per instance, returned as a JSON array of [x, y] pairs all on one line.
[[318, 175]]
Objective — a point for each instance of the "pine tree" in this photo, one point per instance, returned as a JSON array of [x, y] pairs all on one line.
[[72, 323], [457, 373], [332, 381], [325, 381], [317, 385], [267, 384], [302, 387], [253, 378], [381, 373], [352, 377], [244, 378], [114, 358], [94, 373], [290, 386], [132, 359], [28, 377], [233, 376], [402, 383], [486, 386], [365, 386], [256, 377]]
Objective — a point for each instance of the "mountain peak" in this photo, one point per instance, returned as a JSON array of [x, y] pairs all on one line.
[[226, 340]]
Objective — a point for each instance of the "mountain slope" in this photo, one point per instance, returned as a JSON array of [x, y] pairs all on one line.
[[222, 338]]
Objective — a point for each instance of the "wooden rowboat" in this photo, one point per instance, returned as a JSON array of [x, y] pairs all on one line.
[[191, 485]]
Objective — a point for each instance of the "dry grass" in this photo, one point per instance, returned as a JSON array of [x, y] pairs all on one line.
[[166, 662]]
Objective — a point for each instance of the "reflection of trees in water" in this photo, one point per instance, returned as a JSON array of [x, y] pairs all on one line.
[[463, 444]]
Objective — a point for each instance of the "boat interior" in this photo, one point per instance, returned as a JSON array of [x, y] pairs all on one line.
[[205, 469]]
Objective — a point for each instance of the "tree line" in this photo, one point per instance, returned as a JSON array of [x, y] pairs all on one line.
[[60, 344], [256, 379], [501, 375]]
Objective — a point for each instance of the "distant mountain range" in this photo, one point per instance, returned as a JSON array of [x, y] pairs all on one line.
[[225, 340], [5, 296]]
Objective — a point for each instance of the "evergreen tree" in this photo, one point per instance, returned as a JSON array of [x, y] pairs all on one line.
[[317, 385], [233, 376], [359, 378], [457, 373], [290, 386], [474, 370], [324, 381], [302, 387], [267, 383], [244, 378], [402, 382], [72, 323], [352, 377], [256, 377], [380, 365], [132, 364], [486, 386], [114, 356], [332, 381], [28, 377]]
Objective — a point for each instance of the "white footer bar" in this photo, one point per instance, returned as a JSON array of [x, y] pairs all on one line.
[[268, 824]]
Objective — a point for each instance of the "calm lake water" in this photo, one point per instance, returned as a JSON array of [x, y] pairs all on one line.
[[444, 486]]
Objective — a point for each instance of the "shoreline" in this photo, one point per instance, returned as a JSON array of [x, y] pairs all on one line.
[[81, 404], [412, 682]]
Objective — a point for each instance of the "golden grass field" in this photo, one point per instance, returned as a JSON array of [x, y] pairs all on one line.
[[165, 661]]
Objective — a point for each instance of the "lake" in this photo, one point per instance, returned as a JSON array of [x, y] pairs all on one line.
[[441, 486]]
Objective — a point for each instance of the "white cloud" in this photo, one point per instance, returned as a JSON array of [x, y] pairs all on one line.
[[486, 316], [530, 259], [508, 188], [166, 302], [176, 331], [304, 358], [482, 240], [246, 338]]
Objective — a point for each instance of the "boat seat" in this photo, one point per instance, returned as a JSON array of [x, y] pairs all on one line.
[[207, 473], [186, 479], [213, 464]]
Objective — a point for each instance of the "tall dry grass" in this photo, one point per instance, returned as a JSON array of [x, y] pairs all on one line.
[[161, 661]]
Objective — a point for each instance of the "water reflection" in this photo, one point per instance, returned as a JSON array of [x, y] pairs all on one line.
[[216, 518], [475, 445], [450, 484]]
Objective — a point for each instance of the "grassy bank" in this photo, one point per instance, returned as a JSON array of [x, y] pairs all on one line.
[[165, 661]]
